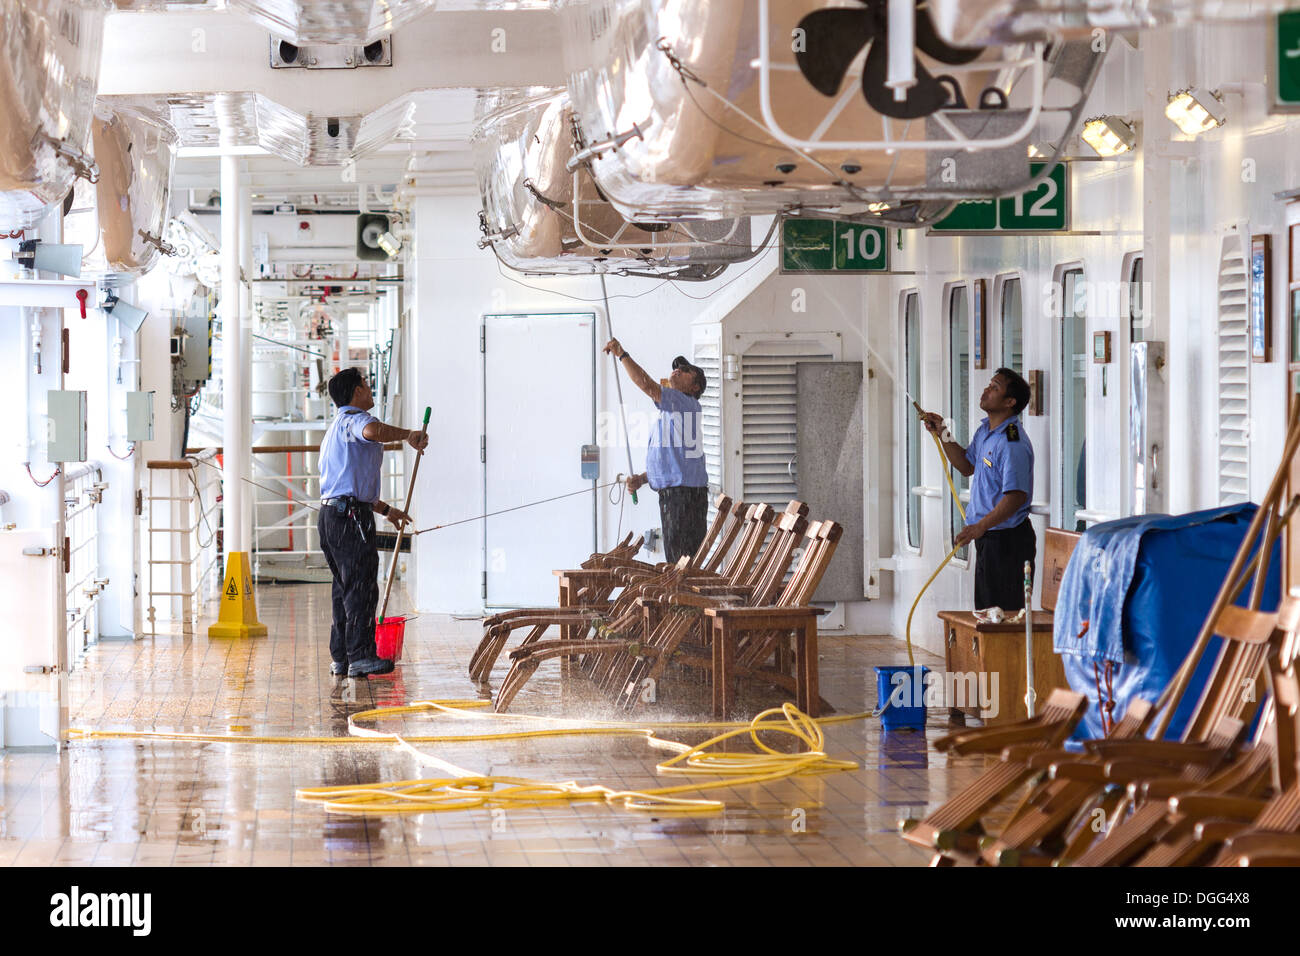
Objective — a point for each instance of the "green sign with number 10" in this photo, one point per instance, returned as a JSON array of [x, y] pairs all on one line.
[[829, 245]]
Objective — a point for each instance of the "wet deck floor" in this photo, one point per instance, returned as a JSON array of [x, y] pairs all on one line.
[[162, 802]]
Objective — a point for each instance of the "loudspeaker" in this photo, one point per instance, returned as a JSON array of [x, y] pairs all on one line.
[[129, 315], [53, 257], [369, 228]]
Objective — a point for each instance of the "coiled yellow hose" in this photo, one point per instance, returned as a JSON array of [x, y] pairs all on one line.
[[463, 789]]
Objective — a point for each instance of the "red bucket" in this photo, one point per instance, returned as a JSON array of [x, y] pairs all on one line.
[[388, 637]]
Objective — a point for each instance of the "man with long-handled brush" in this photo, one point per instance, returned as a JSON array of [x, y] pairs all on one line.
[[1000, 463], [350, 458], [675, 459]]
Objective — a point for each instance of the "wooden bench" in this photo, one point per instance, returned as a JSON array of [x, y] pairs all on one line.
[[971, 647]]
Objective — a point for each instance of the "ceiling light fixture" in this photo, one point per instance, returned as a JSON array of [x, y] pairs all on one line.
[[390, 244], [1109, 135], [1196, 111]]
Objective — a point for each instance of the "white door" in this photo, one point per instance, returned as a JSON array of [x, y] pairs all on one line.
[[538, 411]]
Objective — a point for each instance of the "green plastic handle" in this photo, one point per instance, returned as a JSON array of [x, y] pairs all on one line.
[[634, 497], [428, 410]]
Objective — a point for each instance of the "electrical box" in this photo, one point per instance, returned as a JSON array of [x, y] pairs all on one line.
[[139, 416], [196, 349], [67, 424], [590, 462]]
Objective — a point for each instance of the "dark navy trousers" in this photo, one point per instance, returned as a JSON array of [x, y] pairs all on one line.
[[1000, 558], [348, 541], [684, 513]]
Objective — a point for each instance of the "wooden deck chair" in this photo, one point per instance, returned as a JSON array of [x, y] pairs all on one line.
[[954, 830], [1199, 822], [611, 573], [1056, 821], [667, 630], [627, 673], [611, 663], [1263, 768], [590, 588], [1030, 835]]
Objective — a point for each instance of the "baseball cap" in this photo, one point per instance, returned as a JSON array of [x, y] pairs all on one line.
[[680, 363]]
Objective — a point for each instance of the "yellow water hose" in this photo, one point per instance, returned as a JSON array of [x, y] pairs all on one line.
[[947, 473], [463, 789]]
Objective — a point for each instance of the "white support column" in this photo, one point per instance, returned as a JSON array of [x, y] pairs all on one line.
[[233, 371], [247, 325]]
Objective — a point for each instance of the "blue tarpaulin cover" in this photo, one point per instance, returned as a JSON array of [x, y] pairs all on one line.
[[1144, 586]]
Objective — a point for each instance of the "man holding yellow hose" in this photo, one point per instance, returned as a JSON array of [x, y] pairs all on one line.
[[1000, 463]]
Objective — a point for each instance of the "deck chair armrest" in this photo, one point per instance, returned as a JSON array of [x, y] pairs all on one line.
[[1036, 758], [1162, 788], [993, 740], [676, 599], [975, 734], [1140, 773], [1203, 806], [1217, 831], [1265, 843], [1159, 751], [1081, 770], [587, 575], [758, 613], [720, 587]]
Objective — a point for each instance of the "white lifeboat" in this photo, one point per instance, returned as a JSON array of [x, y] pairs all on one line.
[[122, 230], [49, 71], [541, 217], [690, 107]]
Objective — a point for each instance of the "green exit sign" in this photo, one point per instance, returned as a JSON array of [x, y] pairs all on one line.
[[1044, 208], [829, 245], [1285, 77]]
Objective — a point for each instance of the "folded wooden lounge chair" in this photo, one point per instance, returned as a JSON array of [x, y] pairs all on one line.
[[590, 587], [753, 633], [611, 659], [954, 830], [1055, 822], [621, 615], [1199, 822]]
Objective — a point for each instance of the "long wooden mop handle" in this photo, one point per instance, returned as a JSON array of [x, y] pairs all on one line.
[[410, 490]]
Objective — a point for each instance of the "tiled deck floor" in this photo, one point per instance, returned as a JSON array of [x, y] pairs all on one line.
[[160, 802]]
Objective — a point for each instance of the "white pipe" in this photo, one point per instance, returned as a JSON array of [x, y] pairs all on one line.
[[232, 391], [902, 42]]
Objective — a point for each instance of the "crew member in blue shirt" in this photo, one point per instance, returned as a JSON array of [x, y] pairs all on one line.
[[674, 460], [350, 458], [1000, 463]]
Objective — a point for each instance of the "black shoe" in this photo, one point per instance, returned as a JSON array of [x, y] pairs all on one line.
[[371, 665], [339, 669]]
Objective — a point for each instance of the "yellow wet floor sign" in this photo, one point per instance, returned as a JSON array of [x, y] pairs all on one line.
[[238, 616]]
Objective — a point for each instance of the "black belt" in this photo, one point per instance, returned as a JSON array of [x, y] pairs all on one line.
[[347, 500]]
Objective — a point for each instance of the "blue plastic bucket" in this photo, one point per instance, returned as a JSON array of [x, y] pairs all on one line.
[[900, 690]]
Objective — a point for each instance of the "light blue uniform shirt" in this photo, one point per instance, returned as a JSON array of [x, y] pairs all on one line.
[[1001, 465], [350, 462], [676, 453]]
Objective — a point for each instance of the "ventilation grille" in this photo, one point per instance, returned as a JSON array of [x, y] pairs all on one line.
[[707, 358], [1234, 376], [769, 415]]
